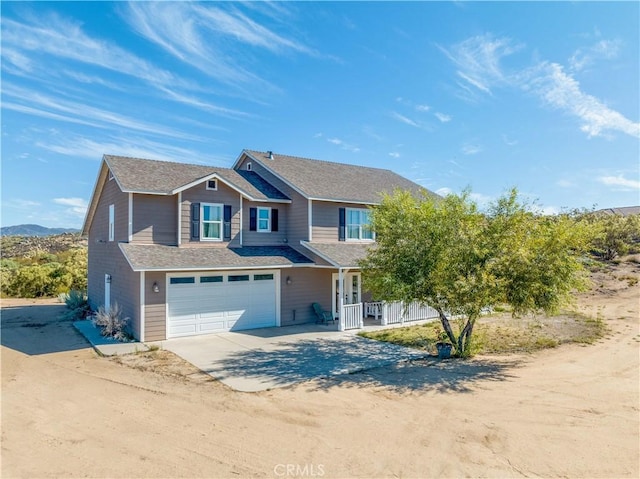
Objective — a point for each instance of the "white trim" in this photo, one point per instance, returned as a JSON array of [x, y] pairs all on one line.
[[215, 188], [202, 221], [268, 228], [241, 225], [179, 218], [215, 176], [351, 202], [130, 225], [248, 166], [278, 295], [112, 222], [310, 218], [346, 226], [142, 305], [346, 288]]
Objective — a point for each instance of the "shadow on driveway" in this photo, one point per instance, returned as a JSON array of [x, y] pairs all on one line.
[[37, 329]]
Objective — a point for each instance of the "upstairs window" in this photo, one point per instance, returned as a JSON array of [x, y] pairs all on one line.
[[211, 223], [358, 224], [248, 166], [264, 220], [212, 185], [112, 220]]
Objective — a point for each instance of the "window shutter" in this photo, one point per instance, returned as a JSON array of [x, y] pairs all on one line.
[[341, 224], [253, 219], [274, 219], [195, 221], [227, 222]]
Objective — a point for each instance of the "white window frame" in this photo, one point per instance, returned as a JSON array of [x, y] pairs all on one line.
[[112, 222], [215, 182], [203, 221], [359, 224], [268, 228], [249, 166]]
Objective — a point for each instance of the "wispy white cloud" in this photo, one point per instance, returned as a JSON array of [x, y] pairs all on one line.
[[342, 144], [561, 91], [67, 110], [422, 107], [478, 60], [77, 206], [620, 181], [394, 154], [126, 146], [444, 191], [603, 49], [470, 149], [405, 120], [509, 141], [19, 204], [562, 183], [195, 33], [442, 117]]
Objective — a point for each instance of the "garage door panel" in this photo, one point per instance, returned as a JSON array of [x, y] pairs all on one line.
[[203, 307]]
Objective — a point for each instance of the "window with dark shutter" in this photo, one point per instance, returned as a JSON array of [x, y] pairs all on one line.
[[253, 219], [274, 219], [195, 221], [341, 224], [227, 222]]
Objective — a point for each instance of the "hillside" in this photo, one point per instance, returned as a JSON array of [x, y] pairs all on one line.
[[33, 230], [25, 246]]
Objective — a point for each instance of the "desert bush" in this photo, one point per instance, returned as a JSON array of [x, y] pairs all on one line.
[[615, 235], [111, 322]]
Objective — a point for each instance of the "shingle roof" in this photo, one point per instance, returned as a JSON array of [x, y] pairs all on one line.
[[622, 211], [173, 258], [341, 255], [139, 175], [336, 181]]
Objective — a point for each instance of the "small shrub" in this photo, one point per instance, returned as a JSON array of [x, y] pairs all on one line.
[[75, 299], [111, 322]]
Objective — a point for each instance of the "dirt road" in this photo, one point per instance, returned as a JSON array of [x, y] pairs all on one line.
[[566, 412]]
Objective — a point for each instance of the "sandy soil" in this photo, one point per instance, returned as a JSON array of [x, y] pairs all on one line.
[[572, 411]]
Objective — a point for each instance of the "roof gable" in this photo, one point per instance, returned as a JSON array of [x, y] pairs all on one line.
[[329, 181], [137, 175]]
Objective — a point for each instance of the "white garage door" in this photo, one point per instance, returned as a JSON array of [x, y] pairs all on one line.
[[211, 302]]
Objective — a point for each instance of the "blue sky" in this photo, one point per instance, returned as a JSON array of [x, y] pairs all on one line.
[[542, 96]]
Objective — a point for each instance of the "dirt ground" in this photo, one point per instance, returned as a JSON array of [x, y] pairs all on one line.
[[572, 411]]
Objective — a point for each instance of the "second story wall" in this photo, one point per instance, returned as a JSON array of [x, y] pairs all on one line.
[[273, 237], [297, 211], [155, 219], [325, 220], [224, 195]]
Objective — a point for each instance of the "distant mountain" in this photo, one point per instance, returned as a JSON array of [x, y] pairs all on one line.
[[34, 230]]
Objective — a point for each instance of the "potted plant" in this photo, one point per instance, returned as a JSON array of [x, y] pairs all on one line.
[[443, 345]]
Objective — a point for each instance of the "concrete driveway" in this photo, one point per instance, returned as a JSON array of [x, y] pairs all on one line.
[[261, 359]]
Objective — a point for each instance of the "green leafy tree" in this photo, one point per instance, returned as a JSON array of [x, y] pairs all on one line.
[[449, 255], [615, 235]]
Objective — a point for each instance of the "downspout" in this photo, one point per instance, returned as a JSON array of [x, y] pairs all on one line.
[[240, 212]]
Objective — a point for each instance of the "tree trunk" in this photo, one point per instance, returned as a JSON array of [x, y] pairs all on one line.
[[464, 340], [446, 326]]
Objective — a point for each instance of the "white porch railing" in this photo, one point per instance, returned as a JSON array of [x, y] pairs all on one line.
[[351, 316], [400, 312]]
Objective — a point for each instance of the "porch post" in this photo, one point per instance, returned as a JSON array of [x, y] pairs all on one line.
[[341, 297]]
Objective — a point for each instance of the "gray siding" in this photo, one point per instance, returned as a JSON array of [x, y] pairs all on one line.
[[155, 219], [255, 238], [308, 286], [325, 220], [155, 315], [223, 195], [105, 257], [297, 211]]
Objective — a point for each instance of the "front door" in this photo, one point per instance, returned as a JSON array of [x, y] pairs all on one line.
[[351, 292]]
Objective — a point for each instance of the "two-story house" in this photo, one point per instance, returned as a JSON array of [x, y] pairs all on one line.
[[189, 249]]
